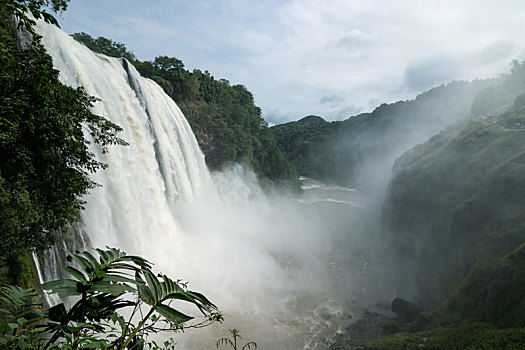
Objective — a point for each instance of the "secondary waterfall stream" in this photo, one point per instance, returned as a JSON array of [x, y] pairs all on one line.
[[284, 271]]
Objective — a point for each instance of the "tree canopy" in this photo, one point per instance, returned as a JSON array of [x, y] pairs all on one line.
[[45, 159]]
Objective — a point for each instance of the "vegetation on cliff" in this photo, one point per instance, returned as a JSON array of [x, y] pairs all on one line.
[[226, 122], [455, 219], [462, 194], [44, 130]]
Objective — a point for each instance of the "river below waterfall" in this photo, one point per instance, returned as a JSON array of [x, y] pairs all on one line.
[[297, 268]]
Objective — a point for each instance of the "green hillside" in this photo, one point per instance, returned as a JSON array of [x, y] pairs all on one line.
[[454, 223], [347, 152], [455, 217]]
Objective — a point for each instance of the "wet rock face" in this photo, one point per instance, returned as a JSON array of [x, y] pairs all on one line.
[[406, 311], [371, 326]]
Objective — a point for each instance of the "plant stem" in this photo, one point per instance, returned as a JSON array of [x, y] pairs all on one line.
[[136, 330]]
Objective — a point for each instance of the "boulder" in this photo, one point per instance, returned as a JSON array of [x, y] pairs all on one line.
[[406, 311]]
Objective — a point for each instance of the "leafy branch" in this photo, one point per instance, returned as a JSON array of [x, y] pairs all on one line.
[[102, 288]]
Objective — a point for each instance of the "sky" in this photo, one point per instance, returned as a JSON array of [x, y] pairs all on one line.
[[332, 58]]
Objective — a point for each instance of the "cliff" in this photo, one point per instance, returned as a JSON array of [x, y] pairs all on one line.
[[455, 219]]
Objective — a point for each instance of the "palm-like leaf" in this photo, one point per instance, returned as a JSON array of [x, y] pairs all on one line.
[[159, 293], [101, 285], [21, 303], [111, 274]]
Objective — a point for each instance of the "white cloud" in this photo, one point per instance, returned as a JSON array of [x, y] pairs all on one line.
[[293, 54]]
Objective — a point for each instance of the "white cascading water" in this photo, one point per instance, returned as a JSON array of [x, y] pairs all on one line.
[[281, 270]]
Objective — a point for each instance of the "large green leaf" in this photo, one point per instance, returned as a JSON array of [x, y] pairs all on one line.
[[115, 289], [92, 259], [76, 273], [59, 284], [171, 314], [21, 303], [145, 294], [137, 260], [185, 296], [64, 288], [153, 284], [84, 263], [8, 327], [104, 257]]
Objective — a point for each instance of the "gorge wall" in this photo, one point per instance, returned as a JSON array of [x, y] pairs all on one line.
[[455, 219]]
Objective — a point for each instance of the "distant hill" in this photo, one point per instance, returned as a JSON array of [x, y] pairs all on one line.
[[312, 119], [353, 151], [345, 151]]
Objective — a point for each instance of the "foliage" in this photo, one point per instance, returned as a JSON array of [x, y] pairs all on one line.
[[102, 289], [44, 130], [302, 142], [18, 270], [468, 336], [21, 302], [226, 122], [23, 311], [37, 8], [102, 286], [105, 46], [233, 343], [462, 194]]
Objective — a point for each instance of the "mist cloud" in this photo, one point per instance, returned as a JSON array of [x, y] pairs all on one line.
[[430, 71], [494, 52], [331, 99]]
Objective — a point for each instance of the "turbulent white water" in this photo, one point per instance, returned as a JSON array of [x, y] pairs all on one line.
[[281, 269]]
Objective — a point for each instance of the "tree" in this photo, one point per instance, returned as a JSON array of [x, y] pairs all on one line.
[[45, 159], [106, 46], [37, 8]]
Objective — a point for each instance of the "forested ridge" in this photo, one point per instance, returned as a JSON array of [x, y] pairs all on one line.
[[224, 118], [346, 152]]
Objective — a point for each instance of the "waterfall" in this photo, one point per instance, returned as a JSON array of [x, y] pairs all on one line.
[[161, 164], [279, 268]]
